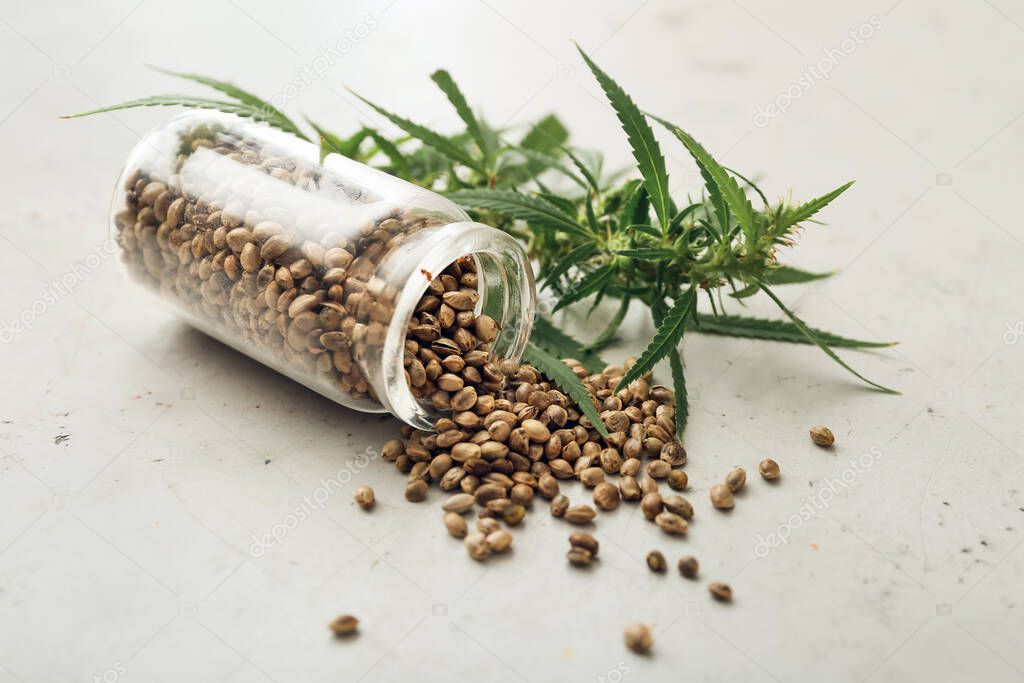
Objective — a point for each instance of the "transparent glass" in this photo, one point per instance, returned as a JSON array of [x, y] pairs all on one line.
[[313, 269]]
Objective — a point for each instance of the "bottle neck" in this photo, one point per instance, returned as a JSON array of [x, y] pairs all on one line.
[[507, 293]]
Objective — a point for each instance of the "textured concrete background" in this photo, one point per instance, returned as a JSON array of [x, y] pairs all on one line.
[[139, 459]]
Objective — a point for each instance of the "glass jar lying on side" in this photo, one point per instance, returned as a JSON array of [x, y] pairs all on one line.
[[376, 293]]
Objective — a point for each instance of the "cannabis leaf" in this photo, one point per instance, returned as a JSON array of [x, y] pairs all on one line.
[[820, 343], [772, 330], [189, 102], [591, 282], [559, 373], [670, 331], [242, 96], [561, 345], [613, 326], [791, 216], [445, 82], [733, 196], [679, 387], [521, 206], [441, 143], [646, 151], [782, 275]]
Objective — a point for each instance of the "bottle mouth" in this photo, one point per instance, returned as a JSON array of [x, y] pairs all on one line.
[[507, 293]]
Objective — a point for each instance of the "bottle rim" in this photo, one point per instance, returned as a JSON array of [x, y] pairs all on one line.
[[507, 289]]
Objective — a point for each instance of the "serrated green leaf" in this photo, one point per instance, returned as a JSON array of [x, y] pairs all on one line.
[[782, 275], [681, 215], [647, 253], [577, 255], [447, 85], [646, 150], [520, 206], [817, 341], [331, 143], [546, 135], [679, 387], [559, 373], [612, 327], [389, 149], [547, 336], [791, 216], [772, 330], [733, 196], [645, 229], [582, 168], [442, 144], [666, 338], [243, 96], [750, 184], [591, 282], [189, 102], [636, 209], [538, 162]]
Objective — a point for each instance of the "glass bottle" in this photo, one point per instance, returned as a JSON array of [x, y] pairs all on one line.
[[315, 269]]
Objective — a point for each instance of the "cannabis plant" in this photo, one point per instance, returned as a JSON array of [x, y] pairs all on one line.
[[594, 236]]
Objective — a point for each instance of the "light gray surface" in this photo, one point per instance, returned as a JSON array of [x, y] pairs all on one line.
[[138, 458]]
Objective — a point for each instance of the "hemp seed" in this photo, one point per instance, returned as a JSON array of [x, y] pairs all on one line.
[[822, 436], [364, 497], [656, 561], [769, 469], [638, 638], [688, 566], [344, 626], [721, 497]]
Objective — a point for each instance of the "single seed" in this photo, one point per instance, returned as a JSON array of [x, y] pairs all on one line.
[[513, 514], [579, 557], [499, 541], [769, 469], [364, 497], [476, 546], [658, 469], [677, 480], [487, 525], [592, 476], [638, 638], [580, 514], [720, 591], [548, 486], [606, 496], [674, 454], [671, 523], [822, 436], [559, 505], [536, 431], [721, 497], [416, 491], [581, 539], [688, 566], [656, 561], [736, 479], [651, 505], [456, 524], [678, 505], [459, 503], [629, 488], [343, 626]]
